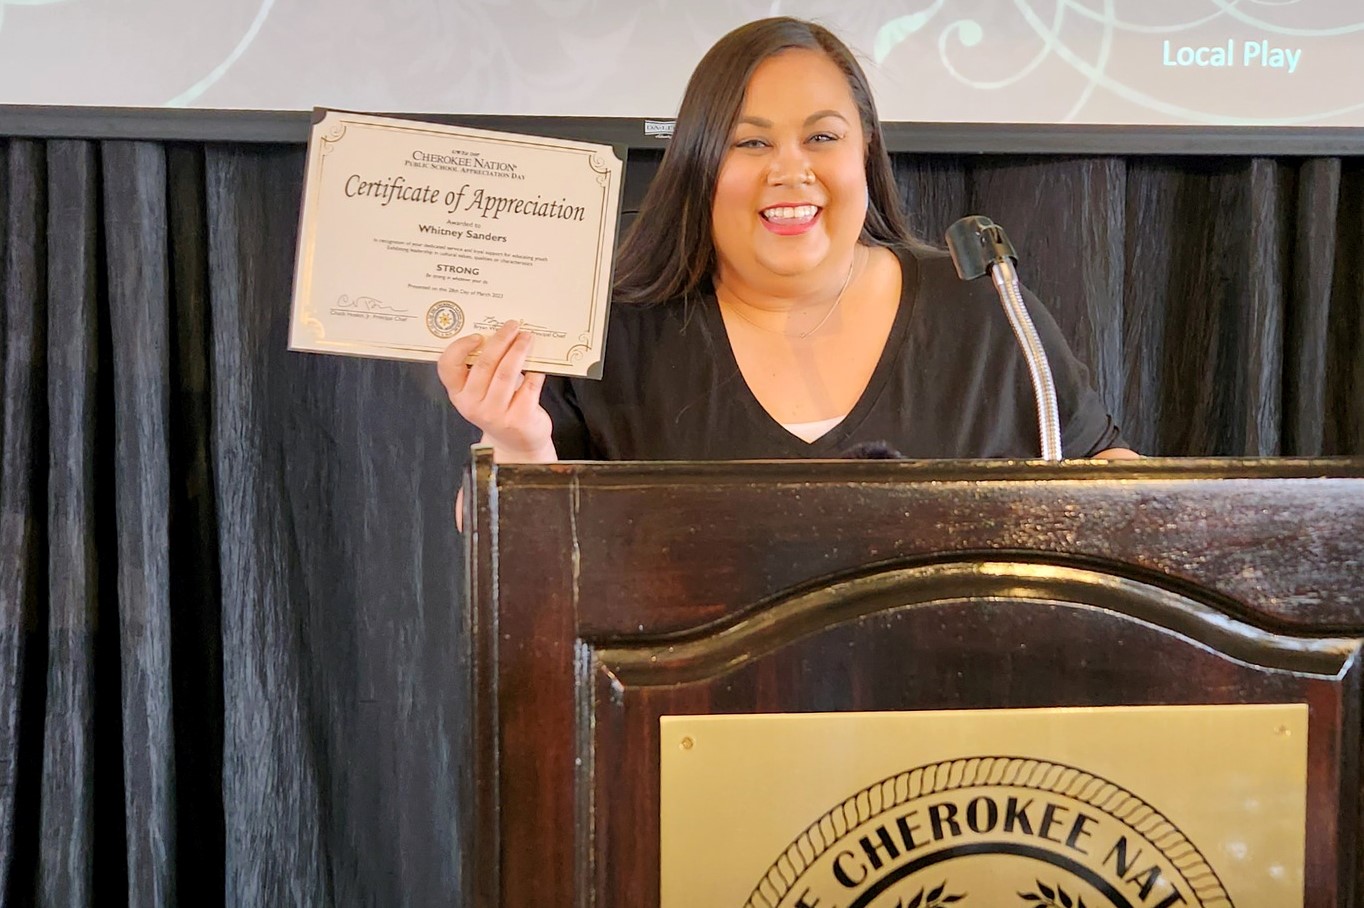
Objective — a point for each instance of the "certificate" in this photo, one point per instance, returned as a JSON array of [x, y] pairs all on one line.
[[415, 233]]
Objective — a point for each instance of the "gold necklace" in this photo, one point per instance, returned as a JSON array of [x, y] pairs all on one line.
[[804, 334]]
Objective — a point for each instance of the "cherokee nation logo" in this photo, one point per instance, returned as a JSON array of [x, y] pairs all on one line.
[[993, 831]]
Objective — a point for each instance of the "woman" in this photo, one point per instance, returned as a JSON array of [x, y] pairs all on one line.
[[770, 302]]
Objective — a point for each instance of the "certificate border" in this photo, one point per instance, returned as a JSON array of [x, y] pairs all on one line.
[[331, 126]]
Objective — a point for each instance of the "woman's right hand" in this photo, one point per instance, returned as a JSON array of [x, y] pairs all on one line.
[[497, 396]]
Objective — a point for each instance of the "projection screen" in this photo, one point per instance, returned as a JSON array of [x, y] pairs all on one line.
[[1258, 63]]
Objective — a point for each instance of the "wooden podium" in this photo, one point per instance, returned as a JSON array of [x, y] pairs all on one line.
[[603, 596]]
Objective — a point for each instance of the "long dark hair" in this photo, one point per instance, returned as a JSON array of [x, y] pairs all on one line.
[[668, 252]]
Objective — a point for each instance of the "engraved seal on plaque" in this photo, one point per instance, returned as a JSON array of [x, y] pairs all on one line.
[[997, 831]]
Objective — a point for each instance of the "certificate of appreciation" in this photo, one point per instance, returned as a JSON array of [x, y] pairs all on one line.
[[415, 233]]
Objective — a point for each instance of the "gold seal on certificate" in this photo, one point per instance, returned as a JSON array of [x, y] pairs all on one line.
[[415, 233]]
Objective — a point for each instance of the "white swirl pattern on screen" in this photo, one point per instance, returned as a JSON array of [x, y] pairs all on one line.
[[1045, 26], [1081, 61], [198, 88]]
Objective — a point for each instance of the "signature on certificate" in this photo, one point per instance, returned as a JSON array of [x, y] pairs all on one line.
[[366, 304]]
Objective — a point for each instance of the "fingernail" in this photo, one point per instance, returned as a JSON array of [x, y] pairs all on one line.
[[478, 340]]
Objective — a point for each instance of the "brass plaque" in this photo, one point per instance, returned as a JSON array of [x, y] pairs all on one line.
[[1130, 807]]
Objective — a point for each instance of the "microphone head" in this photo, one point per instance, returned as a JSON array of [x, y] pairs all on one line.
[[977, 243]]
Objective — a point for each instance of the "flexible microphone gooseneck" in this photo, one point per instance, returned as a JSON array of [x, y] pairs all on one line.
[[978, 245]]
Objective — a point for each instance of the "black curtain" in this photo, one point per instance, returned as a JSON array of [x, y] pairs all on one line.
[[229, 609], [230, 602]]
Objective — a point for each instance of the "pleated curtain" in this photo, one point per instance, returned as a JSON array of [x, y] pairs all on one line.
[[231, 589]]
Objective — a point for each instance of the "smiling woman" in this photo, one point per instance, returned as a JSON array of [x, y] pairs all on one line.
[[791, 194], [771, 303]]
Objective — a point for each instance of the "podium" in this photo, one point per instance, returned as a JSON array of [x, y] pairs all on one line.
[[604, 597]]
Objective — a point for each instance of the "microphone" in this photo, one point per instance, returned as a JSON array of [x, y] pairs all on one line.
[[979, 246]]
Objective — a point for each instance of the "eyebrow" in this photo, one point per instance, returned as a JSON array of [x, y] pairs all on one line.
[[762, 123]]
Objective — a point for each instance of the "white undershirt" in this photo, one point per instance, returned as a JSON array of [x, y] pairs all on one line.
[[812, 431]]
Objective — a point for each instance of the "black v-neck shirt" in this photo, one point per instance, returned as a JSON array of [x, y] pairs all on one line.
[[950, 383]]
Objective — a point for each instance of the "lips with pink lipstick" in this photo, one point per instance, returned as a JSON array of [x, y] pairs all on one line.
[[790, 220]]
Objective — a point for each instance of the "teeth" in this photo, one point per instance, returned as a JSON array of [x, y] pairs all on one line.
[[791, 213]]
